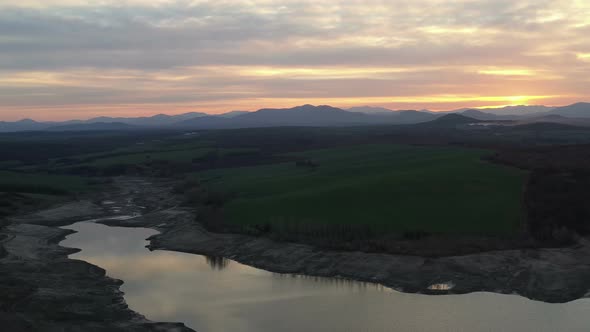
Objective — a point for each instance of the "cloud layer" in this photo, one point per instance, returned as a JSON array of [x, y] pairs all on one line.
[[68, 58]]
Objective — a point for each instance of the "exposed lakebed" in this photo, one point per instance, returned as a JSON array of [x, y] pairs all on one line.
[[214, 294]]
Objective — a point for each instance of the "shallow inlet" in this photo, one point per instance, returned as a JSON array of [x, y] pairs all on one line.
[[218, 295]]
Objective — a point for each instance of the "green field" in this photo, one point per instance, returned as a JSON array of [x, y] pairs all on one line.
[[389, 187]]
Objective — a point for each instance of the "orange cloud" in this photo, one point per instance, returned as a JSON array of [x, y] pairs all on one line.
[[76, 59]]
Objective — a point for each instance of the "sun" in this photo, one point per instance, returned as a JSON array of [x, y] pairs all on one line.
[[518, 100]]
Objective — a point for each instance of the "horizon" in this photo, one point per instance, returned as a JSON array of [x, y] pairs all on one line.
[[483, 108], [294, 165], [68, 59]]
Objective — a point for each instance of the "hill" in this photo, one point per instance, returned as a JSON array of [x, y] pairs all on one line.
[[451, 120], [306, 115], [151, 121], [480, 115], [411, 117], [396, 117], [22, 125], [93, 126], [578, 110], [518, 110], [309, 115], [370, 110], [207, 122], [232, 114]]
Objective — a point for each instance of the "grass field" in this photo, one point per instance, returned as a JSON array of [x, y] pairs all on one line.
[[388, 187]]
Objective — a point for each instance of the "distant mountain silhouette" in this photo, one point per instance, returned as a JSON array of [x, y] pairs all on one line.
[[306, 115], [207, 122], [411, 116], [397, 116], [520, 110], [309, 115], [151, 121], [577, 110], [232, 114], [549, 118], [480, 115], [450, 120], [369, 110], [93, 126], [22, 125]]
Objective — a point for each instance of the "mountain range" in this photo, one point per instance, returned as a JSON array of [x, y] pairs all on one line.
[[309, 115]]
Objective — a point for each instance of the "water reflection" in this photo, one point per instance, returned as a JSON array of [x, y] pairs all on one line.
[[336, 282], [214, 295], [441, 287], [217, 262]]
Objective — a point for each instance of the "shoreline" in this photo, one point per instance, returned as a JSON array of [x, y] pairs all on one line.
[[42, 287], [554, 275], [44, 290]]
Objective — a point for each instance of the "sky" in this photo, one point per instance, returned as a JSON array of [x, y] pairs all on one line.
[[65, 59]]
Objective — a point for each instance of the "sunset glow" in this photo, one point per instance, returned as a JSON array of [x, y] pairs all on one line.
[[66, 59]]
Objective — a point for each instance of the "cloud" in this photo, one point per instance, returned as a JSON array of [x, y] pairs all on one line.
[[242, 54]]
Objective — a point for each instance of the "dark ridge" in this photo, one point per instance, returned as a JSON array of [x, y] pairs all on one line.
[[93, 126], [451, 120]]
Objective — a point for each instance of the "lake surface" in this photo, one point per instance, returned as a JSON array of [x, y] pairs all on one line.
[[217, 295]]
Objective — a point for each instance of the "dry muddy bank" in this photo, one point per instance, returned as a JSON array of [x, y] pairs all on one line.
[[549, 275], [42, 290]]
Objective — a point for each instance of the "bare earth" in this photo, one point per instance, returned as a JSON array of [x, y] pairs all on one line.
[[41, 289], [550, 275]]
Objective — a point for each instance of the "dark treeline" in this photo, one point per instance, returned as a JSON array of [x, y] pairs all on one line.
[[557, 195], [38, 147], [557, 205]]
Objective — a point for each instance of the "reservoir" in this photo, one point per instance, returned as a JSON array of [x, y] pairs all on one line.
[[211, 294]]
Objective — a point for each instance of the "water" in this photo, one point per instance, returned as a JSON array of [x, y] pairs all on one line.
[[217, 295]]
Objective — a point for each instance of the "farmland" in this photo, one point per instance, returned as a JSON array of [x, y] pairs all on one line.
[[335, 187], [387, 187]]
